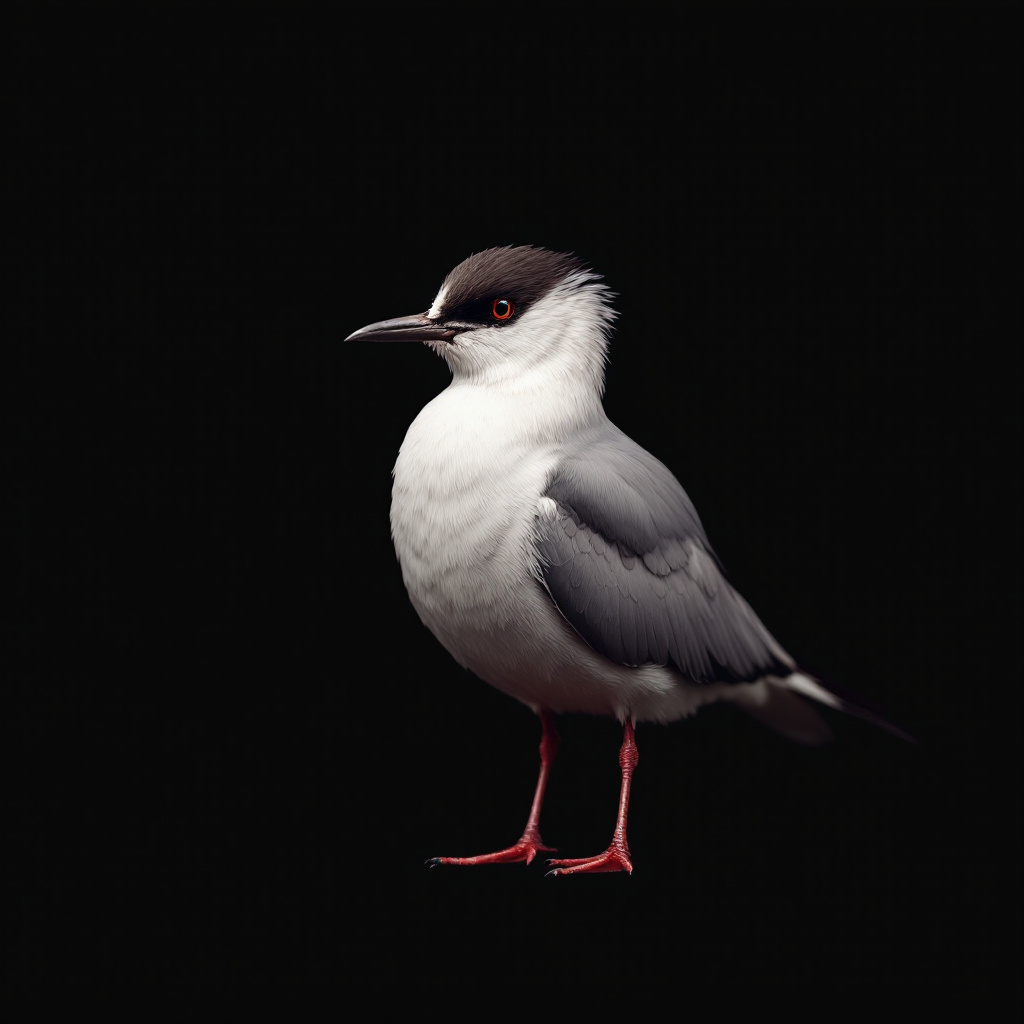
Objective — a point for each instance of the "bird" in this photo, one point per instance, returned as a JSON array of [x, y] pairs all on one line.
[[553, 556]]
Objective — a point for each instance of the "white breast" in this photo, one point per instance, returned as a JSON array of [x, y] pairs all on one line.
[[465, 490]]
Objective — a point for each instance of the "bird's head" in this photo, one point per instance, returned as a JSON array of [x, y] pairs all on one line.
[[504, 315]]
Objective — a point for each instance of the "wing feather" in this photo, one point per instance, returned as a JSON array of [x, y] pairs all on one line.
[[627, 563]]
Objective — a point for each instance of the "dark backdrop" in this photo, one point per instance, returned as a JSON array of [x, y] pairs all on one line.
[[235, 743]]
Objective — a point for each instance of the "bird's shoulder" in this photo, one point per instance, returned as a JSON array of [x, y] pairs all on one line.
[[621, 491]]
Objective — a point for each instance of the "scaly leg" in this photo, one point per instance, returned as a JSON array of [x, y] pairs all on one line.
[[530, 843], [616, 857]]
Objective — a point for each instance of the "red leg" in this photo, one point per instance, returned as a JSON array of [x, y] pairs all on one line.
[[616, 857], [530, 843]]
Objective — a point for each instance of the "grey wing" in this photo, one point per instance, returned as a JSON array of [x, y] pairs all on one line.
[[628, 565]]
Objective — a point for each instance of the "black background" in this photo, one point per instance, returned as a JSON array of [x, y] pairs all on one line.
[[235, 743]]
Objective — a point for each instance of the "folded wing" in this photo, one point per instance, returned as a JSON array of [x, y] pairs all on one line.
[[625, 559]]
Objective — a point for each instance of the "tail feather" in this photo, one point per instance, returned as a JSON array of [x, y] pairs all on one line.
[[781, 705], [843, 700], [782, 710]]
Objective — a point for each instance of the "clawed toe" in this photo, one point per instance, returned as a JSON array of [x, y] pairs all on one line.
[[522, 852], [613, 859]]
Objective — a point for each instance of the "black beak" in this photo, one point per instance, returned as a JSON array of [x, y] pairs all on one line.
[[405, 328]]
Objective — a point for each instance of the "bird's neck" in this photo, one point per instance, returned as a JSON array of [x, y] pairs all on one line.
[[532, 406]]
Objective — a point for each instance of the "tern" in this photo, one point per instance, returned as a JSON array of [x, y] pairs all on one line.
[[553, 556]]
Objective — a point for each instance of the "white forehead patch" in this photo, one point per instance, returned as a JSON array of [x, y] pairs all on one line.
[[435, 310]]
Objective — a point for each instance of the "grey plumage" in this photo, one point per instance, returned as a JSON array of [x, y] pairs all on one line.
[[629, 566]]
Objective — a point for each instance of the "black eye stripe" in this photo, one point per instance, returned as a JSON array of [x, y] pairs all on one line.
[[482, 310]]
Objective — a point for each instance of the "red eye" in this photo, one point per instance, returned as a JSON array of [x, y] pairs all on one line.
[[502, 309]]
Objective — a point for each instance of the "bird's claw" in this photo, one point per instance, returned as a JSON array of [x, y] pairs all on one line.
[[522, 852], [613, 859]]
